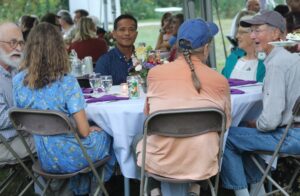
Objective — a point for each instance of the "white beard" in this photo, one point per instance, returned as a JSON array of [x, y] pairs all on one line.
[[8, 60]]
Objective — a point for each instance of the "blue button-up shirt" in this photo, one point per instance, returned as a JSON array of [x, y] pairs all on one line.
[[6, 102], [114, 63]]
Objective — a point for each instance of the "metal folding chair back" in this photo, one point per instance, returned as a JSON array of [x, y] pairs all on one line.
[[182, 123], [276, 153], [16, 170], [48, 123]]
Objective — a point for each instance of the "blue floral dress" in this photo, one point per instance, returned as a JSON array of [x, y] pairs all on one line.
[[62, 154]]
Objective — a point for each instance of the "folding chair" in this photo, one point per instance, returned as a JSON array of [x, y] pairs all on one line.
[[182, 123], [46, 122], [295, 158], [16, 168]]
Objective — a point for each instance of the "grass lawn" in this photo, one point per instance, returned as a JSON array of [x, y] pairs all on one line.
[[149, 34]]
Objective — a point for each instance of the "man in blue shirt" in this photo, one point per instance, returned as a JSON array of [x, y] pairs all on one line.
[[118, 60]]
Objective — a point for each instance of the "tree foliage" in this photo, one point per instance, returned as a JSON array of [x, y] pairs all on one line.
[[13, 9], [141, 9]]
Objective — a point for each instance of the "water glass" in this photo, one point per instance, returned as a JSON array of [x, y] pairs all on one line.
[[106, 82], [95, 81]]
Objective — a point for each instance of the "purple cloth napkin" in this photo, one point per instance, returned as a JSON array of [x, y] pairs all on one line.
[[238, 82], [87, 96], [90, 90], [106, 98], [236, 91]]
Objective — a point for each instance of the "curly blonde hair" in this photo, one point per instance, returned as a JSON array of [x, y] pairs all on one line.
[[46, 58]]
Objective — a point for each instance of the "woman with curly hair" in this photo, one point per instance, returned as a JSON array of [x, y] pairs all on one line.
[[45, 83]]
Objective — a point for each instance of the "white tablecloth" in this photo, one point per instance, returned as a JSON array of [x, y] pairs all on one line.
[[124, 119]]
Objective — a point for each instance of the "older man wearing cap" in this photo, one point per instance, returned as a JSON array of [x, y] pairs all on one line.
[[280, 91], [186, 82]]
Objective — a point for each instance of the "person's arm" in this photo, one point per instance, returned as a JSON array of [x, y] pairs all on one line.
[[273, 101], [159, 41], [82, 123]]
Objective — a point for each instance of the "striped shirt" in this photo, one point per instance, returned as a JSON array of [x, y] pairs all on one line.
[[6, 102]]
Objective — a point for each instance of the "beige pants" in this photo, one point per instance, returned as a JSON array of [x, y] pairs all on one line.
[[7, 158]]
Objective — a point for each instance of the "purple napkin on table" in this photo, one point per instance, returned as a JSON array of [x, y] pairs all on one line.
[[236, 91], [87, 96], [239, 82], [90, 90], [106, 98]]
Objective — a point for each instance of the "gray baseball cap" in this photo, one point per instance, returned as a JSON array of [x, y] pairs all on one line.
[[271, 18]]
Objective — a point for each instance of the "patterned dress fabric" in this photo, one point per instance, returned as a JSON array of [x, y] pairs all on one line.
[[61, 153]]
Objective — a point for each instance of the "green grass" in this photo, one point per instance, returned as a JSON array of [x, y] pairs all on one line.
[[149, 35]]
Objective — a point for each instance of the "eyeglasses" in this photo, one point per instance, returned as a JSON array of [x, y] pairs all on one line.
[[14, 43], [243, 31], [257, 30]]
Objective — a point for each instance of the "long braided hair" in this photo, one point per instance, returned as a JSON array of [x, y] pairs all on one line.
[[187, 51]]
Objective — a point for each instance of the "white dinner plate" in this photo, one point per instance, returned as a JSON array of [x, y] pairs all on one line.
[[283, 43], [293, 37]]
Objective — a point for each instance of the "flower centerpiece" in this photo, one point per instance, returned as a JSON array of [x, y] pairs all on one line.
[[143, 60]]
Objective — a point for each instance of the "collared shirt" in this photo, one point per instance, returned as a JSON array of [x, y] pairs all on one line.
[[281, 89], [114, 63], [6, 102]]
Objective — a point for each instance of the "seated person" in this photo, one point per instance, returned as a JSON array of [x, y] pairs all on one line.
[[186, 82], [165, 33], [251, 8], [45, 83], [177, 20], [68, 28], [118, 60], [27, 22], [86, 41], [280, 91], [242, 63], [11, 51]]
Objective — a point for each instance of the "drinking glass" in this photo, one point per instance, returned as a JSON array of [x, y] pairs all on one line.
[[95, 82], [106, 83]]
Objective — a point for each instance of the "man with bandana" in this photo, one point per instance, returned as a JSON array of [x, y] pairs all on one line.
[[11, 47]]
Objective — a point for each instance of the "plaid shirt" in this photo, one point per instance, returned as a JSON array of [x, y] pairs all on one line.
[[6, 102]]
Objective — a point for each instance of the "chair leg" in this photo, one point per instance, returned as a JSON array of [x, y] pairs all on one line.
[[46, 187], [212, 189], [100, 181], [126, 186], [294, 177], [12, 174], [268, 177], [26, 188], [146, 186]]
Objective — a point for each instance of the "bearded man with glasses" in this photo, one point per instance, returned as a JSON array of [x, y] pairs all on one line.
[[11, 47]]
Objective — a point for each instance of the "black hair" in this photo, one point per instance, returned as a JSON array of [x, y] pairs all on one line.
[[50, 18], [282, 9], [124, 16], [82, 12]]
